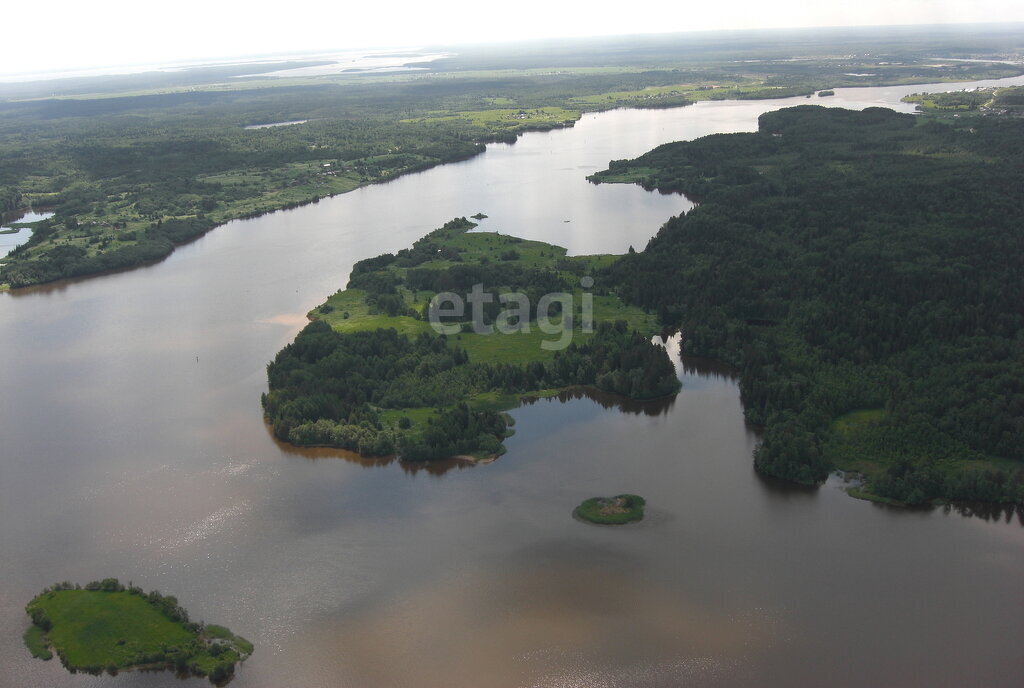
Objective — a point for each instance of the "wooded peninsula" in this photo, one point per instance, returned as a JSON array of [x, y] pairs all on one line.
[[371, 374], [863, 273], [858, 269]]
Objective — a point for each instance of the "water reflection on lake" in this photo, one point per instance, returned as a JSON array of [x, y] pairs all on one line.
[[133, 446], [12, 237]]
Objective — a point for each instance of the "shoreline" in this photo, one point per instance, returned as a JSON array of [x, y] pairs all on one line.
[[64, 281], [589, 391], [508, 139]]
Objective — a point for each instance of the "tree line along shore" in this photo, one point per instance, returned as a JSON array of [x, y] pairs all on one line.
[[133, 171]]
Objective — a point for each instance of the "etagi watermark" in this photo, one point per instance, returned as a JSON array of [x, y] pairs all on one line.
[[553, 314]]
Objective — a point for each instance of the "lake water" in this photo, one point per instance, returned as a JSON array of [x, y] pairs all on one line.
[[10, 241], [133, 446]]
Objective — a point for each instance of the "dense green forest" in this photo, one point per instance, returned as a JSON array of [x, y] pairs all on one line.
[[863, 271], [136, 164], [370, 373], [329, 388]]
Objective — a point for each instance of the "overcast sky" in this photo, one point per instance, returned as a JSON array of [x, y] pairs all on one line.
[[45, 35]]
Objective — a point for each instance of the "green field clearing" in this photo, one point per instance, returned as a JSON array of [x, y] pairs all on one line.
[[114, 628]]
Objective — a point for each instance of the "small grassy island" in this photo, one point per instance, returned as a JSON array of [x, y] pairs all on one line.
[[611, 511], [372, 373], [107, 626]]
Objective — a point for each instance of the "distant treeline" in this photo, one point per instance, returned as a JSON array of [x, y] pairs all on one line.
[[117, 157], [854, 260]]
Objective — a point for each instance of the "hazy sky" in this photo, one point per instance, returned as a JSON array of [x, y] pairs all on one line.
[[46, 35]]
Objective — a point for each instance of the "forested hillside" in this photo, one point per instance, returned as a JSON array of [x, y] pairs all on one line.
[[864, 271]]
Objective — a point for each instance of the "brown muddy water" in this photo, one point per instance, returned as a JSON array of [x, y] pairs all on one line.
[[133, 446]]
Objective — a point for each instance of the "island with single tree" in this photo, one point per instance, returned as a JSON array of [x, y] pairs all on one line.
[[107, 626], [611, 511], [862, 272], [379, 372]]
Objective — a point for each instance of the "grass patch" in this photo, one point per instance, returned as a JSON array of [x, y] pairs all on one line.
[[350, 311], [482, 401], [861, 493], [850, 422], [612, 511], [36, 642], [418, 417], [100, 629], [632, 175], [218, 632], [244, 645]]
